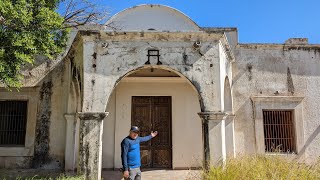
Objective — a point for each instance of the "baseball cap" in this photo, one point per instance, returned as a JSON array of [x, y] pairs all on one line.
[[134, 129]]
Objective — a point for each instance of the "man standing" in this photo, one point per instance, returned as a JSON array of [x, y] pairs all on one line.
[[130, 153]]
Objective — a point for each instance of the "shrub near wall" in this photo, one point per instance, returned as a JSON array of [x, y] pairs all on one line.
[[263, 167]]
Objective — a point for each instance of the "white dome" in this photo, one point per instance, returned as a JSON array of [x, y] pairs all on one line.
[[151, 18]]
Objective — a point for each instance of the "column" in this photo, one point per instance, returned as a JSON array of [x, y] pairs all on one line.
[[230, 139], [213, 132], [90, 145], [70, 142]]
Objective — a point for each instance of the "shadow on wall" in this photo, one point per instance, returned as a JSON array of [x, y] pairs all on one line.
[[245, 127], [314, 134]]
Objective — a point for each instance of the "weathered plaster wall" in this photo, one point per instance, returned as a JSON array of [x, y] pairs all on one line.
[[111, 56], [277, 70], [51, 124], [186, 124], [45, 138]]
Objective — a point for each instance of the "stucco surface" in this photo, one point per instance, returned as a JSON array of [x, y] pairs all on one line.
[[276, 70]]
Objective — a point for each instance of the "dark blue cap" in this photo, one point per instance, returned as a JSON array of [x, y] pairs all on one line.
[[134, 129]]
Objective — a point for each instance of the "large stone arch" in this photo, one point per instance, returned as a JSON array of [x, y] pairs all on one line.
[[106, 62], [120, 122], [163, 67]]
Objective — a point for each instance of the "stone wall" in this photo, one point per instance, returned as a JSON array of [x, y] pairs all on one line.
[[277, 70]]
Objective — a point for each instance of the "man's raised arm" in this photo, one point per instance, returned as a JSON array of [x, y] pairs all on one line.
[[147, 138]]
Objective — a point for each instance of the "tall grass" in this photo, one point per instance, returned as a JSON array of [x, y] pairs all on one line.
[[263, 167], [61, 177]]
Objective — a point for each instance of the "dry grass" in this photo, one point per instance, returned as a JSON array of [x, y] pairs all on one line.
[[263, 167], [36, 177]]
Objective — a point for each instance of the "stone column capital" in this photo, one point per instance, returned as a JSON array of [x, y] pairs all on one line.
[[212, 116], [69, 117], [92, 115], [215, 116]]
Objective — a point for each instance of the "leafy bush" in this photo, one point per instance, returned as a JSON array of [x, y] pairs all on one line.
[[263, 167]]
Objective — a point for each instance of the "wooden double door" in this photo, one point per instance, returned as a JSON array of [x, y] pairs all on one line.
[[153, 113]]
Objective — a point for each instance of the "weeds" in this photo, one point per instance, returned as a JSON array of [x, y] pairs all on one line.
[[263, 167]]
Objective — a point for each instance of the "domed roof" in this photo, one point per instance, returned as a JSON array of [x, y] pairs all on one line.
[[151, 18]]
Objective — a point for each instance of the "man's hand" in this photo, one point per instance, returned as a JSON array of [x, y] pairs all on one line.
[[126, 174], [154, 133]]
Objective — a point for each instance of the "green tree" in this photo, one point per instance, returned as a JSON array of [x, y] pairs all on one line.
[[28, 28]]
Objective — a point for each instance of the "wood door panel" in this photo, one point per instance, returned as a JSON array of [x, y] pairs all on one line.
[[162, 124], [161, 158], [146, 159], [154, 113], [141, 118]]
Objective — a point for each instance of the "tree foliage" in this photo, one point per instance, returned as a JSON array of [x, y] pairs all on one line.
[[36, 27], [28, 28]]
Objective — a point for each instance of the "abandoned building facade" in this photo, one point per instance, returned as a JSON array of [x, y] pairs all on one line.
[[153, 67]]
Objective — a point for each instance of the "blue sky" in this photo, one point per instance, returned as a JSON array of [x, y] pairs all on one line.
[[258, 21]]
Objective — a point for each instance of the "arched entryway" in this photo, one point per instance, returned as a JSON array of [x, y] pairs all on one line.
[[155, 98]]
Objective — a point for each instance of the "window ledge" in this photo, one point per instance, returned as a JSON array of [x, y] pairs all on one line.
[[281, 154], [285, 155], [16, 151]]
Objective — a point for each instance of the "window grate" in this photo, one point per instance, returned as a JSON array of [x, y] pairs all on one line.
[[279, 134], [13, 120]]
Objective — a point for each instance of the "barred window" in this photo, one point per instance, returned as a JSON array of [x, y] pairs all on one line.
[[13, 120], [279, 131]]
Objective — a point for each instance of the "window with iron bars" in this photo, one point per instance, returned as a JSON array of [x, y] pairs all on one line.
[[279, 131], [13, 121]]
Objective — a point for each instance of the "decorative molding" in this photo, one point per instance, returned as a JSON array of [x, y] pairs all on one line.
[[277, 98], [261, 103]]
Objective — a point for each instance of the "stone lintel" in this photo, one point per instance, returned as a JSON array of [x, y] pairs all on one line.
[[92, 115]]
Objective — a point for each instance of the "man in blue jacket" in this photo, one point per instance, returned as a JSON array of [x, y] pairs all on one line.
[[130, 153]]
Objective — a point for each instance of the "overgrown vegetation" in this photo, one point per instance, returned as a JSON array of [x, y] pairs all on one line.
[[29, 28], [263, 167], [61, 177]]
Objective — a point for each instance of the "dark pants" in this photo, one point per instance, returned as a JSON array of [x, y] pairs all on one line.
[[134, 174]]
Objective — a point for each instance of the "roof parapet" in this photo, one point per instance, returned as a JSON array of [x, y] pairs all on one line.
[[297, 41]]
